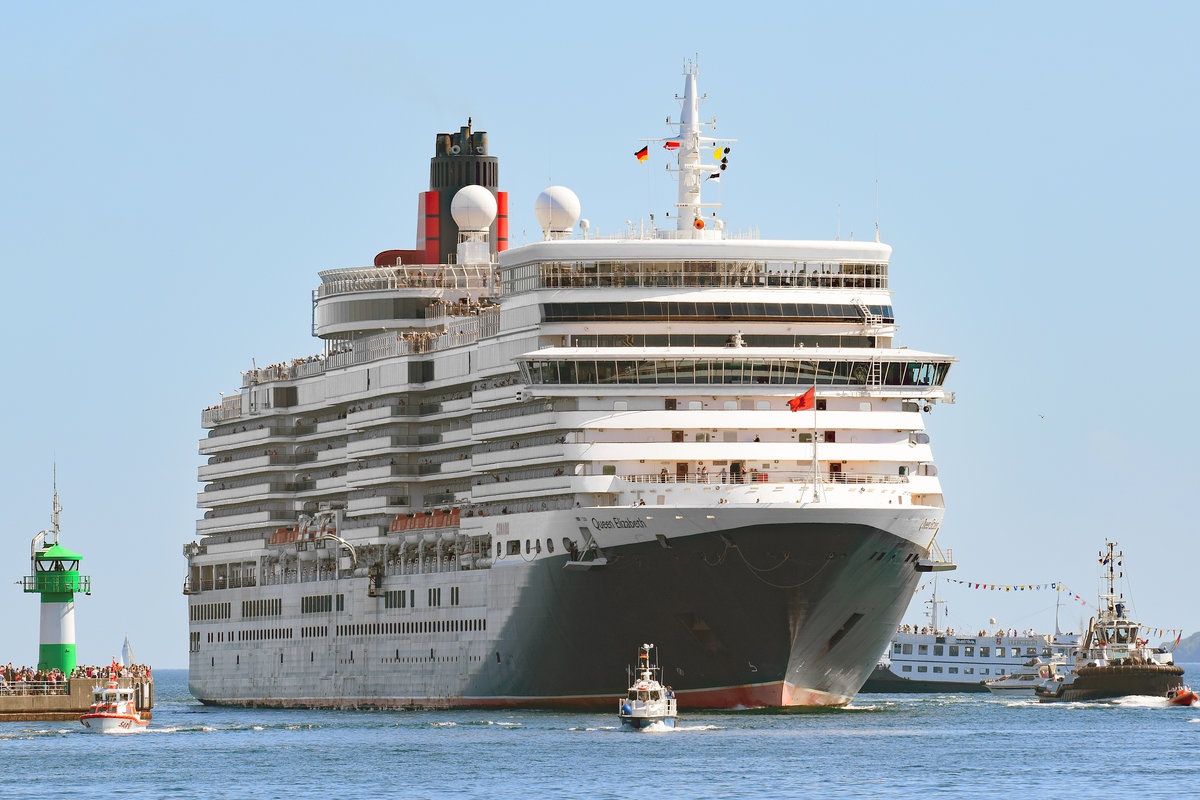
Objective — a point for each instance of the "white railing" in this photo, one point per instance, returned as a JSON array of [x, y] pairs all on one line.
[[765, 476]]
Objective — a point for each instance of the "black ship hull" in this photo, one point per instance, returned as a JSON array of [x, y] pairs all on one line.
[[758, 616]]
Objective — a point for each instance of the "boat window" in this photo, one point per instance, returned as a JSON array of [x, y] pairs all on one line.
[[983, 671], [954, 650], [632, 696], [643, 696], [999, 652], [514, 547], [906, 668], [937, 650], [922, 668], [937, 669], [896, 648], [968, 670], [984, 652], [654, 695], [969, 651], [953, 670], [922, 649], [908, 649]]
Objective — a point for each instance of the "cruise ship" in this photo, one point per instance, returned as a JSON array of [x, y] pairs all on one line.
[[501, 458]]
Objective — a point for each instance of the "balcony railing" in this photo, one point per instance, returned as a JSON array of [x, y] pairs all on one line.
[[766, 476]]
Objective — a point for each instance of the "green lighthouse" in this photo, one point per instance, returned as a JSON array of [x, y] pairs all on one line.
[[56, 578]]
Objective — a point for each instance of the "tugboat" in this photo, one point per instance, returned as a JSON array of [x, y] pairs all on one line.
[[1113, 661], [1181, 696], [648, 701], [114, 710]]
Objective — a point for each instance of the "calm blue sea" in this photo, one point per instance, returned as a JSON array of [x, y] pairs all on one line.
[[881, 746]]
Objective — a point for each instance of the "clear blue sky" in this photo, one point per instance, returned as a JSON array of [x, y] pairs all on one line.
[[174, 176]]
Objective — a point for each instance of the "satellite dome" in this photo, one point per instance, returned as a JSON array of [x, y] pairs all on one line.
[[556, 209], [473, 208]]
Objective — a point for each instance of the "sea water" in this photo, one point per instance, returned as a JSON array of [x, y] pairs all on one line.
[[880, 746]]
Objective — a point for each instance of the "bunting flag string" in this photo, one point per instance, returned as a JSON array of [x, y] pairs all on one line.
[[1037, 587]]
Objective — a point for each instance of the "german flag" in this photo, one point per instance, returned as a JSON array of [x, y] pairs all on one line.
[[643, 154]]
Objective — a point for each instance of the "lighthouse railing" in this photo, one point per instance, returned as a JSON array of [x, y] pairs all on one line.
[[57, 582]]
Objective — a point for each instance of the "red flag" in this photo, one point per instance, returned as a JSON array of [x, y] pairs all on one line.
[[671, 145], [806, 400], [643, 154]]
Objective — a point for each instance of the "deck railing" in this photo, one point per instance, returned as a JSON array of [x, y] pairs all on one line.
[[765, 476]]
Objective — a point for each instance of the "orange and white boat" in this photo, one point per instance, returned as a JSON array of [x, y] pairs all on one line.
[[1181, 696], [113, 710]]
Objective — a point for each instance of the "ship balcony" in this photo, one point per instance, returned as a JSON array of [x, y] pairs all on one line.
[[457, 435], [527, 423], [239, 438], [247, 466], [216, 497], [389, 504], [454, 467], [382, 445], [519, 455], [236, 522], [487, 398], [373, 476], [491, 489], [363, 417]]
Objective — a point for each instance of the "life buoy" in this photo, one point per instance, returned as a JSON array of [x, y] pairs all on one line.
[[999, 640], [698, 224]]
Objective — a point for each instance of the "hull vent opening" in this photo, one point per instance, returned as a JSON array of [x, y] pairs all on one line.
[[842, 631]]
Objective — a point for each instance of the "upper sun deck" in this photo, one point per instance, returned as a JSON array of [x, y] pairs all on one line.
[[654, 262]]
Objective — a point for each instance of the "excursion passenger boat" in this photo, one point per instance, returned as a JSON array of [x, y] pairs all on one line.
[[1113, 660], [114, 710], [496, 442], [935, 660], [648, 701]]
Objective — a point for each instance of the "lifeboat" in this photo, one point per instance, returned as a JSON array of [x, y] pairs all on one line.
[[1181, 696], [113, 711]]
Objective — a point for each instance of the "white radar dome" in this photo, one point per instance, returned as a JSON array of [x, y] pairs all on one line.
[[473, 208], [556, 209]]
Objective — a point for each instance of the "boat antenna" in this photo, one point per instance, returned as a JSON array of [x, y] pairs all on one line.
[[56, 508], [877, 209], [1057, 603]]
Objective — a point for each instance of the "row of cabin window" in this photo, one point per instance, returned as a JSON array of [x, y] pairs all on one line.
[[418, 626], [730, 312], [513, 548], [951, 670], [781, 372], [203, 612], [968, 650]]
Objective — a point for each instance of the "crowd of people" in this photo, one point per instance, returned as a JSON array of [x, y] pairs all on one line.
[[29, 680], [1013, 632]]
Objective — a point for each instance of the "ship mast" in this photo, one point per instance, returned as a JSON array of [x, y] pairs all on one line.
[[1109, 598], [690, 148]]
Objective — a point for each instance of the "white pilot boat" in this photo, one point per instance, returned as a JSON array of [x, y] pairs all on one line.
[[648, 701], [1022, 681], [113, 710]]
